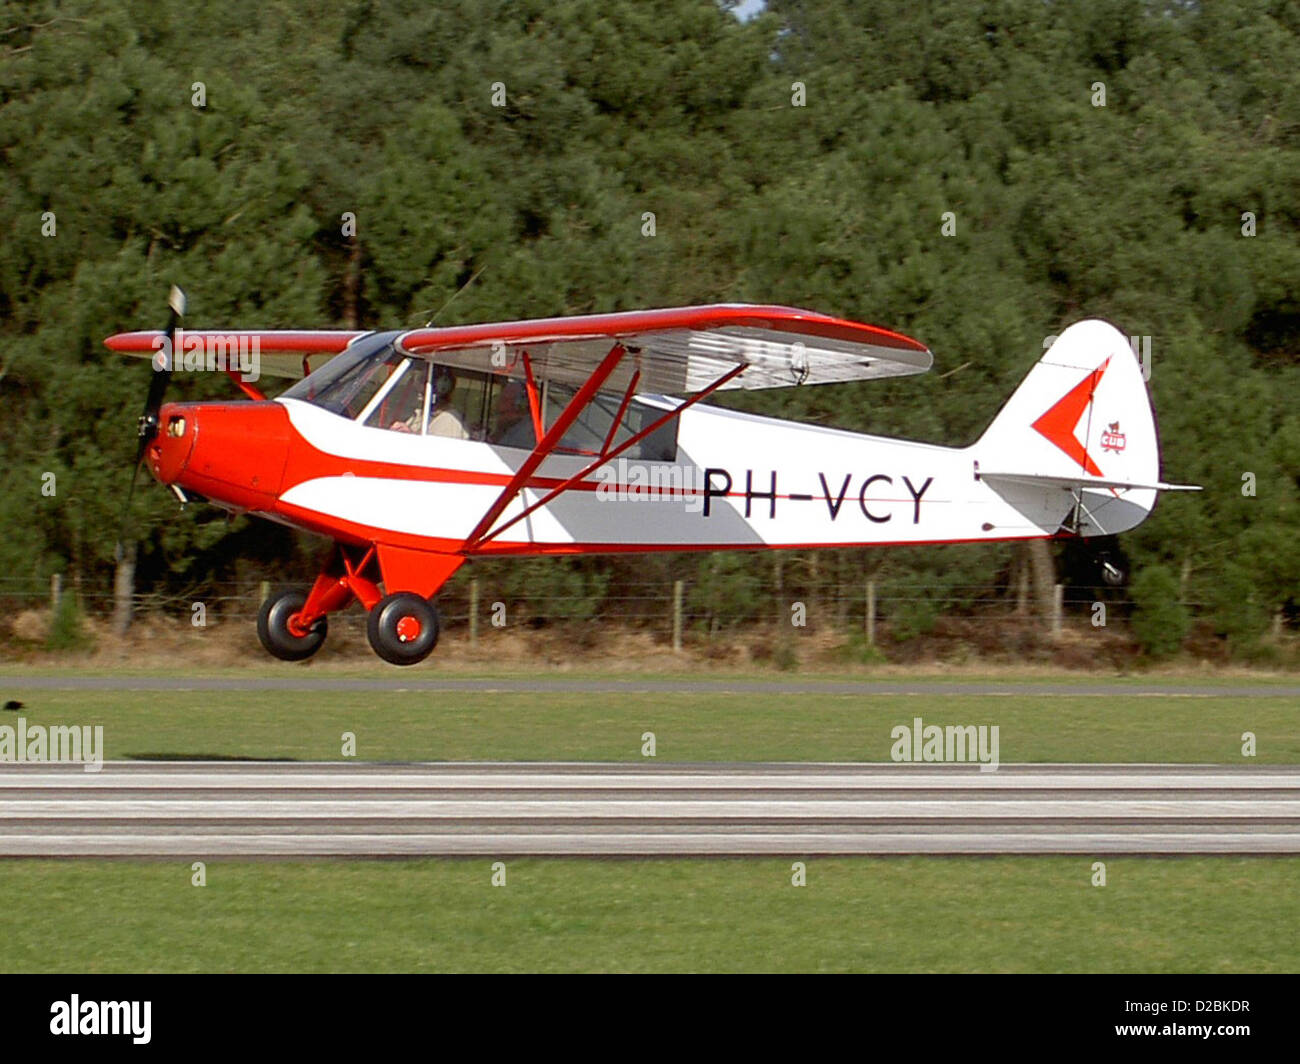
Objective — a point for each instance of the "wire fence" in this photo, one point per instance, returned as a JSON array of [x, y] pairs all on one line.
[[663, 606]]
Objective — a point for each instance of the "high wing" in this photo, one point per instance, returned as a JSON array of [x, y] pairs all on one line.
[[281, 352], [673, 351], [681, 350]]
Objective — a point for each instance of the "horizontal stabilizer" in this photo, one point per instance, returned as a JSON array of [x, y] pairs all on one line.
[[1082, 482]]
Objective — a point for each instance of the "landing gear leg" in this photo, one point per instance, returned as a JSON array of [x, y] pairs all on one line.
[[292, 624]]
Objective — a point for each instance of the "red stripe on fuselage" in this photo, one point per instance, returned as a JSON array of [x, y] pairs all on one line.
[[307, 462]]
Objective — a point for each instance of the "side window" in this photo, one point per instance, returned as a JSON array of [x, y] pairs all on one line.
[[399, 405], [510, 415], [406, 393], [424, 398], [660, 445], [460, 407], [588, 433]]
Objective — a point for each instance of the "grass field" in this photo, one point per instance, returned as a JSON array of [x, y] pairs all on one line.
[[1217, 915], [916, 914], [415, 725]]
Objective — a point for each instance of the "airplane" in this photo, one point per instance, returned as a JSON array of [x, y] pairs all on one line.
[[415, 450]]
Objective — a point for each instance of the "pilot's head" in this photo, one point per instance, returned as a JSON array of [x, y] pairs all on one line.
[[512, 398], [444, 384]]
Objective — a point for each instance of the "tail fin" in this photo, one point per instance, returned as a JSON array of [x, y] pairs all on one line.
[[1078, 437]]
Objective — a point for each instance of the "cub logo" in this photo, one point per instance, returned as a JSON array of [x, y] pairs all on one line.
[[1112, 439]]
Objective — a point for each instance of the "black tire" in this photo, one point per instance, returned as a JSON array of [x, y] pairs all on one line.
[[403, 628], [273, 627], [1112, 573]]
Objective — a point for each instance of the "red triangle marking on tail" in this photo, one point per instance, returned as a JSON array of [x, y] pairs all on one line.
[[1057, 424]]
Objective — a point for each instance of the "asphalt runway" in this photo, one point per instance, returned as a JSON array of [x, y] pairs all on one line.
[[407, 682], [204, 810]]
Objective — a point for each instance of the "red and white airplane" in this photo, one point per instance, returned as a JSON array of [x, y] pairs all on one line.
[[414, 450]]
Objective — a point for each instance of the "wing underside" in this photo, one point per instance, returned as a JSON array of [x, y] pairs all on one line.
[[673, 351], [682, 350], [280, 352]]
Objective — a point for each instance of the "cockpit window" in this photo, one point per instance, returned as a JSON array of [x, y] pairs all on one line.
[[379, 386], [400, 402], [347, 383]]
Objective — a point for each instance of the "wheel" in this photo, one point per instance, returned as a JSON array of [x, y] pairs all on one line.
[[1112, 575], [403, 628], [273, 627]]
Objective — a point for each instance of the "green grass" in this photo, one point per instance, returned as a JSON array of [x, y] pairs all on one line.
[[895, 914], [421, 725], [857, 914], [262, 667]]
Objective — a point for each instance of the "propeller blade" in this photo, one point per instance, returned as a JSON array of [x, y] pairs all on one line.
[[162, 375], [147, 426]]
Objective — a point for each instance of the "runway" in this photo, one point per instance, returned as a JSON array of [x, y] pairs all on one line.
[[205, 810]]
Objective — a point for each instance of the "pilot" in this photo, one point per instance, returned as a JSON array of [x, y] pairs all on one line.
[[444, 421], [512, 423]]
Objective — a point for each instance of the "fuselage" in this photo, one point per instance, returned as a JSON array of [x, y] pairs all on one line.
[[738, 481]]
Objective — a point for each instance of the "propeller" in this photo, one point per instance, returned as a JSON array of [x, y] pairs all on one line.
[[162, 373], [147, 424]]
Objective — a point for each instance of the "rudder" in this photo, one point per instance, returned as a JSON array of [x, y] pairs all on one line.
[[1082, 414]]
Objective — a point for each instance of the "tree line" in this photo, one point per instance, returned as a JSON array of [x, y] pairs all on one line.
[[975, 175]]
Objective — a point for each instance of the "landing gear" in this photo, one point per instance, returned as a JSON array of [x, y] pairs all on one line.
[[1097, 562], [1112, 575], [403, 628], [279, 632]]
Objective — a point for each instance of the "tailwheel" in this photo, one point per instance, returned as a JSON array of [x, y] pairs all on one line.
[[403, 628], [279, 632]]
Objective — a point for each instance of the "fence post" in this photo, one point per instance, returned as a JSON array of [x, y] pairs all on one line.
[[56, 592], [473, 612], [263, 592], [1058, 607], [677, 616], [871, 613], [124, 590]]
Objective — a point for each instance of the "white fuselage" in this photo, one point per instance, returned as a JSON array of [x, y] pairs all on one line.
[[739, 481]]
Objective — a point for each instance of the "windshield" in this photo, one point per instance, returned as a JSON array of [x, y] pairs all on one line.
[[379, 386], [347, 382]]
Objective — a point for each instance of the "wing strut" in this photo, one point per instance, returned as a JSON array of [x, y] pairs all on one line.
[[478, 538], [622, 409], [534, 401], [546, 444]]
